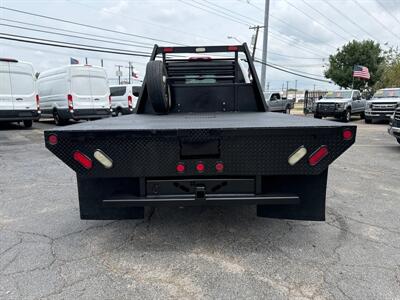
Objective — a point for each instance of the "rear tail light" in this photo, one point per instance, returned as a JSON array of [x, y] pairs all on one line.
[[233, 48], [347, 134], [53, 139], [70, 103], [297, 155], [219, 167], [180, 168], [318, 155], [84, 161], [37, 102], [200, 167], [168, 49], [130, 101]]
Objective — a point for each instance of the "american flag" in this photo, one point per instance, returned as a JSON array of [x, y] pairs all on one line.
[[361, 72]]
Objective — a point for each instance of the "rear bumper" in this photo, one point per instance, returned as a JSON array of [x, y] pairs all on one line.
[[78, 114], [19, 115]]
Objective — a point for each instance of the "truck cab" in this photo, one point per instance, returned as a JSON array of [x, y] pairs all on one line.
[[19, 100], [382, 105], [340, 104]]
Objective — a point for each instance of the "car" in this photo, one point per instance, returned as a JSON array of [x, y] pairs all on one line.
[[124, 98], [277, 103], [19, 101], [74, 92], [394, 125], [382, 105], [340, 104], [201, 134]]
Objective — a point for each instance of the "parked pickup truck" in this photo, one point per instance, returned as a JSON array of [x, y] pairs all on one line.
[[277, 103], [394, 125], [201, 135], [340, 104], [382, 106]]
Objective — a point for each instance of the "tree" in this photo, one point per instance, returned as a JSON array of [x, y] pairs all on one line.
[[391, 70], [366, 53]]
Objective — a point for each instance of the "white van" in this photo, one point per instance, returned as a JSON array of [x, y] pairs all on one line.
[[124, 98], [74, 92], [19, 101]]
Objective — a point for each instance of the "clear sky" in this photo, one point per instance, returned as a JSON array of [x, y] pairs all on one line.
[[302, 32]]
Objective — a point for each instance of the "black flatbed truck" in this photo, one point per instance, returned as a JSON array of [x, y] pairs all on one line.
[[201, 135]]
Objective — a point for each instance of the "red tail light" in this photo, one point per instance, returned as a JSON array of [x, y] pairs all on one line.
[[81, 158], [347, 134], [318, 155], [70, 102], [219, 167], [37, 102], [200, 167], [180, 168], [168, 50], [53, 139], [233, 48], [130, 101]]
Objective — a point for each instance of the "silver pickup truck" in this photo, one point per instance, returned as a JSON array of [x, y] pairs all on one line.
[[340, 104], [277, 103], [382, 106]]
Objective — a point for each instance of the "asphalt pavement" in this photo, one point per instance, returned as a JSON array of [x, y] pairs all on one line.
[[47, 252]]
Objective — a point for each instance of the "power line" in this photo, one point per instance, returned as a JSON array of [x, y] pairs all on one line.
[[133, 43], [322, 25], [70, 35], [329, 19], [341, 13], [61, 44], [89, 26], [389, 12], [376, 19]]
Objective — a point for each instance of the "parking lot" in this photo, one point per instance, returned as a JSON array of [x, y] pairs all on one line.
[[46, 251]]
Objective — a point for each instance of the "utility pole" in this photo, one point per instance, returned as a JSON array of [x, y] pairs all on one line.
[[86, 61], [265, 45], [287, 89], [295, 90], [102, 63], [119, 73], [257, 28]]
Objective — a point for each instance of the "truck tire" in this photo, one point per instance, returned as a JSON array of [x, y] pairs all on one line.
[[362, 115], [28, 123], [398, 140], [347, 115], [317, 116], [368, 121], [287, 110], [157, 87], [58, 120]]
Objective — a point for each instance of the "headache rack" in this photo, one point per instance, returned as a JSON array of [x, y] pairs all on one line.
[[201, 83]]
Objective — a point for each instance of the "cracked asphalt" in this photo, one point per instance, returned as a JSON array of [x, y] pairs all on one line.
[[47, 252]]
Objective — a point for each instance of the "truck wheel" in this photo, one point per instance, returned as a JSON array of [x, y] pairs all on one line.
[[398, 140], [157, 87], [347, 115], [317, 117], [58, 120], [28, 123], [287, 110], [368, 121], [362, 115]]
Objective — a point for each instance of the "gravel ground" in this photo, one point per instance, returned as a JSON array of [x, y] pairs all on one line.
[[47, 252]]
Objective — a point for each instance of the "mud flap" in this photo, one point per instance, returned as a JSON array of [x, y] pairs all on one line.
[[310, 189], [92, 191]]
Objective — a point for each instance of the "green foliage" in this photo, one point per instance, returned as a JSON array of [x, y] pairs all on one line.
[[391, 70], [365, 53]]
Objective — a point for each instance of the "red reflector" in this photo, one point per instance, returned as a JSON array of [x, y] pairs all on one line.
[[347, 134], [233, 48], [180, 168], [168, 50], [130, 101], [70, 102], [318, 155], [37, 102], [200, 167], [219, 167], [81, 158], [53, 139]]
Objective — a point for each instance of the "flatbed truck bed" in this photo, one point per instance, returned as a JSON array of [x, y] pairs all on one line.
[[200, 155]]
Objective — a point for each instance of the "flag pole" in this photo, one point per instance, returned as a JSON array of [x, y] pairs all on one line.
[[352, 74]]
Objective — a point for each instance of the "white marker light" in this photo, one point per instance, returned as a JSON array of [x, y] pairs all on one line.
[[200, 49], [297, 155], [103, 159]]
